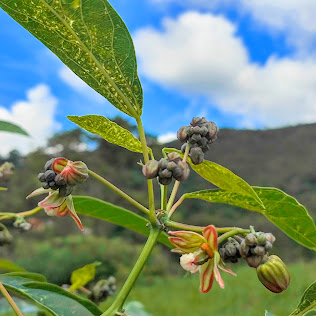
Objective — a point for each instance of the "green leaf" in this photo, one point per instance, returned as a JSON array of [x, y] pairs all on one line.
[[12, 128], [96, 208], [110, 131], [91, 39], [3, 189], [222, 177], [82, 276], [307, 302], [51, 297], [7, 265], [280, 208]]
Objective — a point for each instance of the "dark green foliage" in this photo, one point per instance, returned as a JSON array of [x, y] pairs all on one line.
[[57, 258]]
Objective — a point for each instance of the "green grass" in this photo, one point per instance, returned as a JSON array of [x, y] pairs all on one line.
[[243, 295]]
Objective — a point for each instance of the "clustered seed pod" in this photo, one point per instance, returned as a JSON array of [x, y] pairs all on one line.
[[5, 237], [166, 169], [230, 251], [22, 224], [51, 180], [199, 134], [103, 289], [273, 274], [254, 248]]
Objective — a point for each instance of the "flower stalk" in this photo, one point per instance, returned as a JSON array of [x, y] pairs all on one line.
[[120, 299]]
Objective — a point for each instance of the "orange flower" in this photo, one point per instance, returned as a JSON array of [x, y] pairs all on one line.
[[200, 253]]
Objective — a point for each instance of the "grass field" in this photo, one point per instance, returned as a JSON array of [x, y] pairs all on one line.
[[243, 295]]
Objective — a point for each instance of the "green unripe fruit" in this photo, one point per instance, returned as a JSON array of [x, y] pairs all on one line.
[[150, 170], [251, 239], [274, 275]]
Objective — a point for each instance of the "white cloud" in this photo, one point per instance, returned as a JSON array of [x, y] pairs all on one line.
[[35, 115], [296, 18], [71, 79], [167, 138], [201, 54]]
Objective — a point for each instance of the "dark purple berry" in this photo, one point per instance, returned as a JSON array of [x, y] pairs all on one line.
[[49, 164], [41, 177], [60, 180], [45, 185]]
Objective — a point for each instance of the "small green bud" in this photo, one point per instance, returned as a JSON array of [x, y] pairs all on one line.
[[150, 169], [261, 239], [273, 274]]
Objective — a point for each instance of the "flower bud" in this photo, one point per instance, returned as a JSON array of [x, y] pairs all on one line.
[[150, 170], [261, 239], [212, 131], [274, 275], [198, 121], [196, 155], [182, 172], [254, 261], [195, 138], [244, 249], [259, 250], [174, 157], [270, 238], [182, 134], [250, 240], [268, 246], [74, 172]]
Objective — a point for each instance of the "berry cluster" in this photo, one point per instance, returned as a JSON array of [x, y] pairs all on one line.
[[51, 180], [230, 251], [167, 168], [199, 135], [255, 247]]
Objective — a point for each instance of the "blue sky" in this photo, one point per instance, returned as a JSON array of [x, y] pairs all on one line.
[[242, 64]]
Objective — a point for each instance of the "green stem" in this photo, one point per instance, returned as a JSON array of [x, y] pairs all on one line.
[[301, 313], [10, 300], [142, 137], [177, 183], [120, 299], [119, 192], [4, 215], [231, 233], [163, 190]]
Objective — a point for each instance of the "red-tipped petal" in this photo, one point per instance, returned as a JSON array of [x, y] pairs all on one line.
[[227, 270], [210, 234], [206, 276], [184, 245], [72, 212], [218, 276], [59, 164]]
